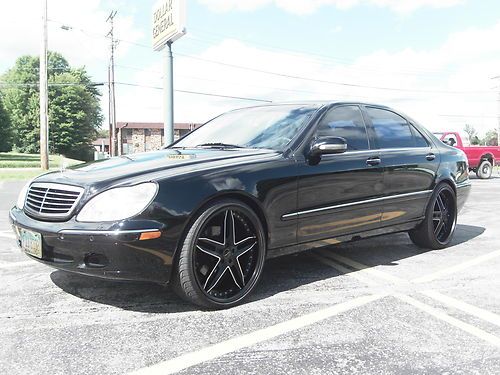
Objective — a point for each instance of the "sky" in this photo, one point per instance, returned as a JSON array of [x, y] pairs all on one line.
[[432, 59]]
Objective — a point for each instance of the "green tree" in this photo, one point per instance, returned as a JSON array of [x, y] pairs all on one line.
[[74, 108], [491, 138], [5, 129], [470, 131], [475, 141]]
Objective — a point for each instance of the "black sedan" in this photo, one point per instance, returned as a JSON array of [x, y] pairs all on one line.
[[204, 213]]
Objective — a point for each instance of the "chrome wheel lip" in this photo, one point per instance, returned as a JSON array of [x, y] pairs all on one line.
[[251, 278]]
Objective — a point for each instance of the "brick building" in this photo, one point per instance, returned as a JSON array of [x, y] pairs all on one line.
[[147, 136]]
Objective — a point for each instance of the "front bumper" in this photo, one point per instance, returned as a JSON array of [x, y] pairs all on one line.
[[106, 250], [463, 191]]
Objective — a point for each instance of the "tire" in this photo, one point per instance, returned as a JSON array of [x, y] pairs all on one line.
[[222, 256], [484, 170], [441, 212]]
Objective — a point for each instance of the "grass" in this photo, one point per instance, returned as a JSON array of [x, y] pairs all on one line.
[[16, 166], [18, 160], [19, 174]]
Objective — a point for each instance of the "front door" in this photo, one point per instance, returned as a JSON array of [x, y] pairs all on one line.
[[334, 195]]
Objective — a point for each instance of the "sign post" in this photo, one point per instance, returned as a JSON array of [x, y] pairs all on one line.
[[169, 18]]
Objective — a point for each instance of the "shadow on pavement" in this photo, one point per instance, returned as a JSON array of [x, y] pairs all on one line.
[[280, 274]]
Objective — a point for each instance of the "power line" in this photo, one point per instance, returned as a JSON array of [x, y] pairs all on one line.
[[304, 54], [346, 84], [327, 81], [197, 92]]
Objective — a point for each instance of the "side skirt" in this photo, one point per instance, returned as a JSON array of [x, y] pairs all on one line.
[[277, 252]]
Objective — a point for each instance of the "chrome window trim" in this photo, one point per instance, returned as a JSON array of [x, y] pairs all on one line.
[[375, 150], [56, 186], [343, 205]]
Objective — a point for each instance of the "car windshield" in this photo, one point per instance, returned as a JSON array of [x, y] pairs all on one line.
[[270, 127]]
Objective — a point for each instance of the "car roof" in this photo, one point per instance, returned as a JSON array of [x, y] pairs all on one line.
[[318, 103]]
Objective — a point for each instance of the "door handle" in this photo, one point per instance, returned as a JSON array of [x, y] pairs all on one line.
[[373, 161], [430, 156]]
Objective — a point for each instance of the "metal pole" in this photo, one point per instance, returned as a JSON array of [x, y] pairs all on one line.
[[44, 126], [113, 145], [168, 96]]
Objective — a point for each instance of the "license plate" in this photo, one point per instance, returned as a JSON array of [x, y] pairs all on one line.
[[31, 242]]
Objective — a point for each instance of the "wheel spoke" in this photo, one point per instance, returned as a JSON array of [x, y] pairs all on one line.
[[221, 270], [210, 241], [245, 240], [439, 227], [242, 250], [440, 204], [209, 252], [229, 235], [210, 274], [234, 278], [437, 215]]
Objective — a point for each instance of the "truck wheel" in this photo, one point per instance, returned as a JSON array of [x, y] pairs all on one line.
[[436, 231], [484, 170]]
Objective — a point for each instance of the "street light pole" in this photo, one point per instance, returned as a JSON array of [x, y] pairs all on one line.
[[168, 96], [44, 126]]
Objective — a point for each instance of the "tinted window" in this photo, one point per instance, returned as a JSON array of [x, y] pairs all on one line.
[[392, 130], [420, 141], [260, 127], [346, 122]]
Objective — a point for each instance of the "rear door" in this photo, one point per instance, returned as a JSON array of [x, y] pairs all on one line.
[[410, 165], [334, 195]]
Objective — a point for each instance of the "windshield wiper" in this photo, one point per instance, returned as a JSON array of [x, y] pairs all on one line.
[[219, 145]]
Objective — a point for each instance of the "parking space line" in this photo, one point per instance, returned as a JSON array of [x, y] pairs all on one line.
[[465, 307], [456, 268], [16, 264], [214, 351], [343, 270], [437, 313], [362, 267]]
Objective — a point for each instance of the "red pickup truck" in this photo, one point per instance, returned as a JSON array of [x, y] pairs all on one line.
[[481, 158]]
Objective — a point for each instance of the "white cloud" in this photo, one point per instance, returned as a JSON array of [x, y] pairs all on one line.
[[310, 6], [20, 25], [453, 79]]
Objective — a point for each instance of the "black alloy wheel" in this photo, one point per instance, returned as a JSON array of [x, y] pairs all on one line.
[[443, 216], [222, 256], [436, 231]]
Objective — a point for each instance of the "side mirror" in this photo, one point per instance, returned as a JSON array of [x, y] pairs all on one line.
[[328, 145]]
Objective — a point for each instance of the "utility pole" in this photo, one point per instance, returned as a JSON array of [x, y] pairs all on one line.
[[44, 126], [498, 111], [114, 149], [168, 96]]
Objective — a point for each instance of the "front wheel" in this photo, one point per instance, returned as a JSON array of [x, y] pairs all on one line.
[[436, 231], [222, 256], [484, 170]]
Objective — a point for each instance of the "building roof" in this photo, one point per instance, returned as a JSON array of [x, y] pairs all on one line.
[[155, 125]]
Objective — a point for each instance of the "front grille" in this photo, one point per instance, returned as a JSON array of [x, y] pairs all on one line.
[[52, 200]]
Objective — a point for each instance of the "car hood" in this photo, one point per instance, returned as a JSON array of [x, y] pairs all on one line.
[[141, 166]]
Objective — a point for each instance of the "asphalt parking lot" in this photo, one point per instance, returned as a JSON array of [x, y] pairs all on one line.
[[375, 306]]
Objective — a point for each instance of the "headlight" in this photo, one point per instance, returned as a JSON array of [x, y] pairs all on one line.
[[21, 198], [118, 203]]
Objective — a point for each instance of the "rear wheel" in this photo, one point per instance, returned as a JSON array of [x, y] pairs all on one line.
[[484, 170], [222, 256], [436, 231]]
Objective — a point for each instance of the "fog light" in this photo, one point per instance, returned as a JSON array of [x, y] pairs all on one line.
[[94, 260]]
